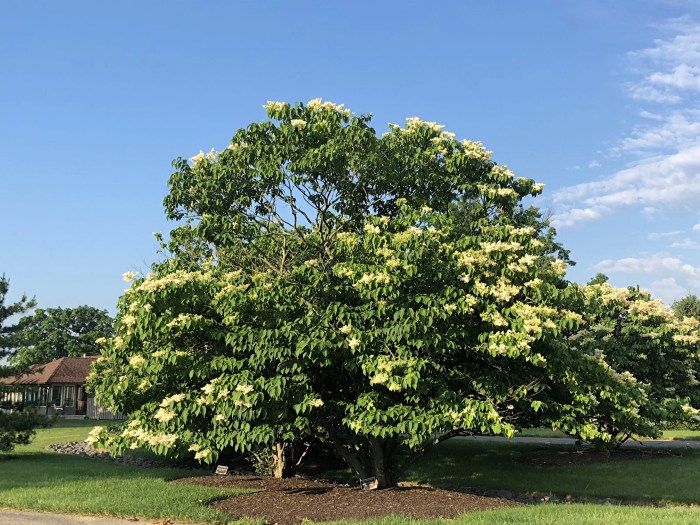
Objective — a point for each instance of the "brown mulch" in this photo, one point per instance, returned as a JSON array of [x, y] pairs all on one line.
[[289, 501], [577, 456]]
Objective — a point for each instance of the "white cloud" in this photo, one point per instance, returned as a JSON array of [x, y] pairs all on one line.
[[652, 94], [577, 215], [594, 164], [671, 277], [649, 115], [681, 77], [663, 173], [686, 243], [696, 228], [655, 236], [662, 181], [680, 128]]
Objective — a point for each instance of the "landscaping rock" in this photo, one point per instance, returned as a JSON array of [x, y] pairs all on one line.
[[80, 448]]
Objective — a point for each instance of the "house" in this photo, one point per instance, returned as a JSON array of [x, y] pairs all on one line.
[[57, 387]]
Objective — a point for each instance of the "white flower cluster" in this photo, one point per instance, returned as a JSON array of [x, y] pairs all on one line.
[[182, 319], [522, 264], [202, 454], [502, 173], [144, 436], [372, 229], [472, 259], [560, 267], [384, 252], [136, 360], [347, 237], [506, 192], [504, 291], [274, 107], [476, 150], [652, 309], [199, 157], [414, 123], [298, 123], [341, 270], [317, 105], [244, 388], [177, 278], [129, 276], [164, 415], [95, 435], [128, 320], [379, 379], [176, 398], [500, 246], [369, 278], [409, 234]]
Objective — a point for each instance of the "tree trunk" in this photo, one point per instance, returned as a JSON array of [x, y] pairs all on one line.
[[283, 464], [349, 455], [381, 461]]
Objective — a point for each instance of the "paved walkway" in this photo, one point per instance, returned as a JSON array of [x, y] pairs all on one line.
[[657, 443], [22, 517]]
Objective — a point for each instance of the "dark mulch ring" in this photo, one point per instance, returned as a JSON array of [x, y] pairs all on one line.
[[562, 457], [289, 501]]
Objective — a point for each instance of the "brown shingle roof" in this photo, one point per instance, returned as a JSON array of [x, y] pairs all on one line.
[[63, 370]]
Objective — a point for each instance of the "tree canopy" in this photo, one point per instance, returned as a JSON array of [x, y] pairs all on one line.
[[688, 306], [372, 292], [51, 333], [7, 311], [15, 429]]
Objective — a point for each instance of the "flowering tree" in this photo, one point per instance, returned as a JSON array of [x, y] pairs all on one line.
[[639, 369], [370, 292]]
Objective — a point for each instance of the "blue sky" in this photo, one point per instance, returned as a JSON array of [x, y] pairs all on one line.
[[599, 102]]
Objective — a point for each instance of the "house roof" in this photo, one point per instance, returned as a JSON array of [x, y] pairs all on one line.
[[63, 370]]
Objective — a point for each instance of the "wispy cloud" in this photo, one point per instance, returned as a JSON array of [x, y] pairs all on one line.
[[655, 236], [664, 150], [661, 181], [679, 279], [686, 243]]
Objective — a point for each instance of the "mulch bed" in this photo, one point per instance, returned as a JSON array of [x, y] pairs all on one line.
[[562, 457], [289, 501]]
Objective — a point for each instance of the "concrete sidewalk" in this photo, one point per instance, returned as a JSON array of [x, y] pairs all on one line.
[[23, 517]]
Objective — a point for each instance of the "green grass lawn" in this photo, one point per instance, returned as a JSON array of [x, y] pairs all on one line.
[[494, 465], [35, 478], [558, 515]]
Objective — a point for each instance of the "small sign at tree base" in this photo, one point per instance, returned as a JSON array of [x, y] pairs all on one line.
[[369, 483], [221, 470]]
